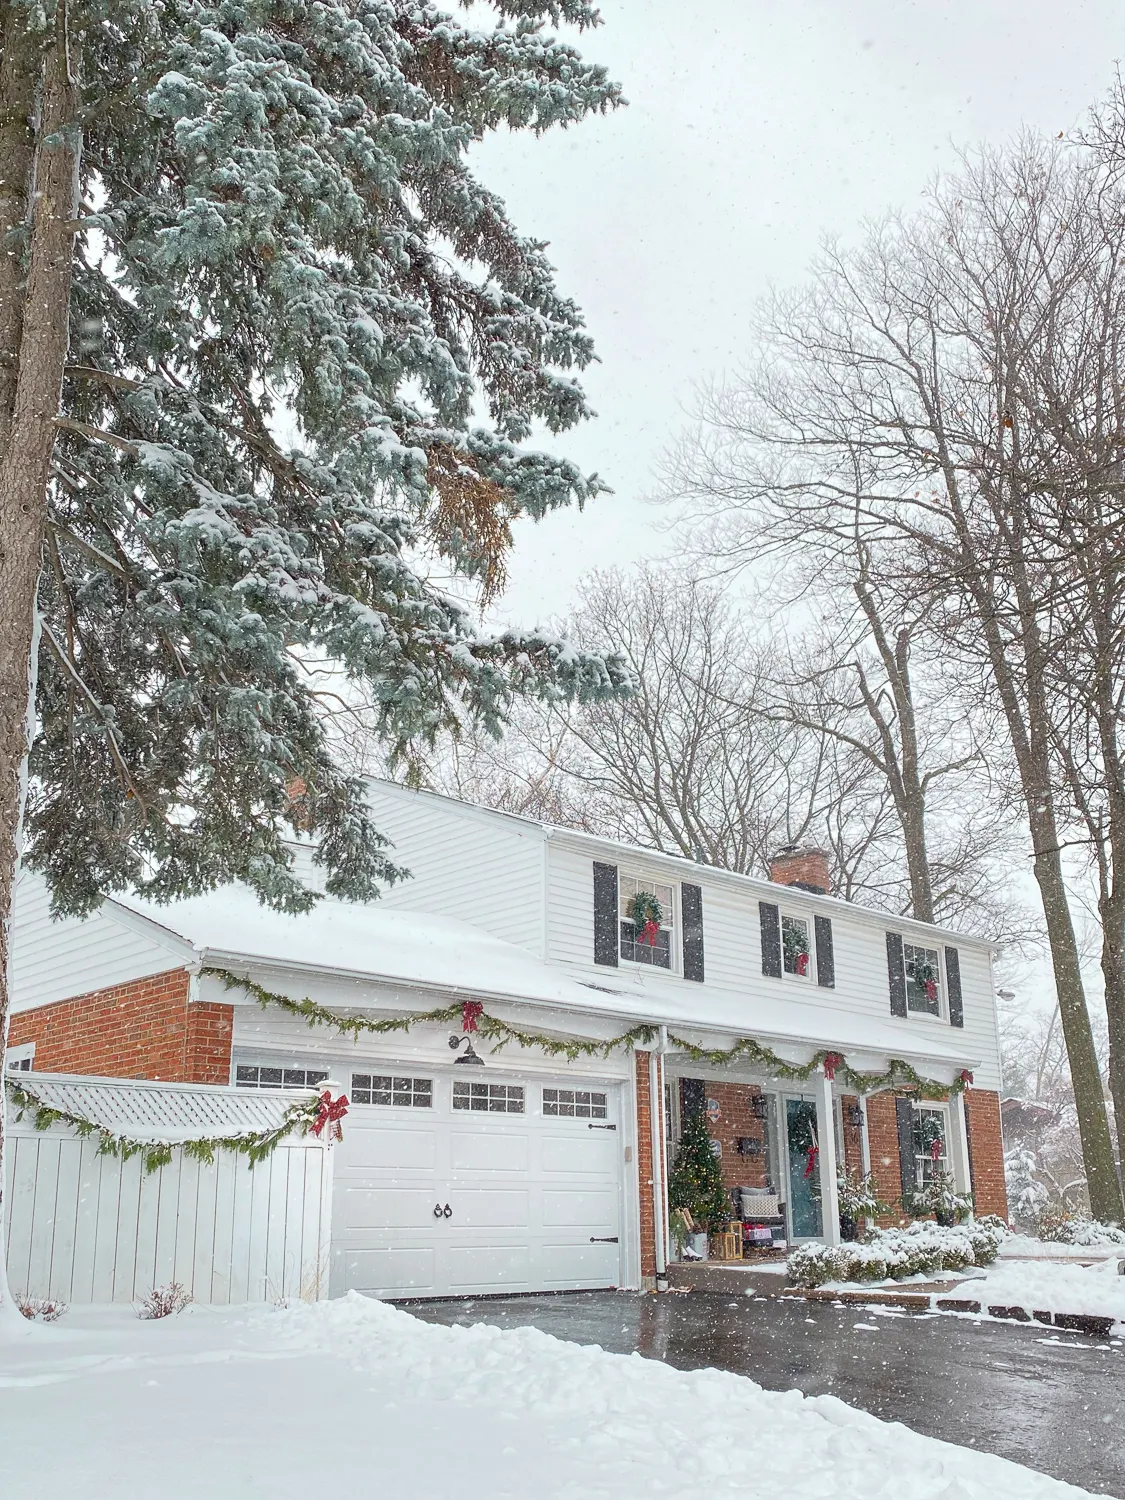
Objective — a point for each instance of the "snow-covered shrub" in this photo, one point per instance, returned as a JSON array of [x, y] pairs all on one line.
[[938, 1195], [162, 1301], [1027, 1196], [1065, 1228], [48, 1309], [857, 1197], [921, 1249]]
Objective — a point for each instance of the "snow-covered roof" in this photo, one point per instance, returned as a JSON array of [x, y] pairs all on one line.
[[230, 928], [151, 1111]]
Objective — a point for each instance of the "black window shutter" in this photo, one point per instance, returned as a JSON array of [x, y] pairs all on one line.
[[825, 956], [953, 984], [904, 1117], [605, 914], [691, 906], [896, 974], [770, 918], [693, 1096]]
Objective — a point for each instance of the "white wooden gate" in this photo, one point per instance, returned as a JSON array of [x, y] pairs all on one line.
[[88, 1228]]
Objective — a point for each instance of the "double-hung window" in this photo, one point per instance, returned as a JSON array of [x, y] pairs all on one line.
[[796, 953], [923, 979], [646, 917], [931, 1142]]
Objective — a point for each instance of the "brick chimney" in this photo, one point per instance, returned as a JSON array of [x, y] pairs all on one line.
[[805, 868]]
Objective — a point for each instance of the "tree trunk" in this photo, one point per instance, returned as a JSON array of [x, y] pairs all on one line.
[[1113, 976], [25, 466], [1085, 1076], [20, 64]]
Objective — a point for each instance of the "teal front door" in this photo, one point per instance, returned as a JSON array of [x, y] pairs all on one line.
[[803, 1153]]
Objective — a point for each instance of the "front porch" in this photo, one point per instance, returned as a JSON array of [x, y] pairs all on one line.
[[783, 1145]]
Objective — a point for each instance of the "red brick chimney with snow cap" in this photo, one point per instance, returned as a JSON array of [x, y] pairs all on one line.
[[805, 868]]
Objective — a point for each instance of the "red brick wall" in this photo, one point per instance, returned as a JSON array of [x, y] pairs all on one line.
[[986, 1145], [735, 1120], [144, 1029], [882, 1139], [853, 1137], [644, 1166]]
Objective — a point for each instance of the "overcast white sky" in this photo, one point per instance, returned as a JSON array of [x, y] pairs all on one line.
[[754, 127]]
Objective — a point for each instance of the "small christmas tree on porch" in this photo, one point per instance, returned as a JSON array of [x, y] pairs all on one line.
[[696, 1180]]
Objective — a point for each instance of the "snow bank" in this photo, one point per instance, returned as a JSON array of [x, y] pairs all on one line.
[[1048, 1286], [357, 1397]]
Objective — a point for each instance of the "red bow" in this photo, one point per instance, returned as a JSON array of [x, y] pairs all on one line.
[[802, 963], [936, 1148], [931, 989], [471, 1012], [832, 1061], [966, 1077], [330, 1111], [650, 932], [814, 1152]]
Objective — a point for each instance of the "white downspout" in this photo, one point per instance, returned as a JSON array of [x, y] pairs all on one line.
[[829, 1197], [656, 1106]]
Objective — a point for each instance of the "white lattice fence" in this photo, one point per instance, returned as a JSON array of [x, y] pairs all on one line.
[[90, 1228]]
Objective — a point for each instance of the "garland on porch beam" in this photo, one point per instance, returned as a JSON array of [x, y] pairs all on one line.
[[494, 1030], [899, 1075], [255, 1145]]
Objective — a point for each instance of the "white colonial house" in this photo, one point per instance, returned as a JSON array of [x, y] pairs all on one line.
[[470, 1167]]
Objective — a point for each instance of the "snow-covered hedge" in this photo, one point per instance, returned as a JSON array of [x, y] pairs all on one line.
[[1063, 1228], [921, 1248]]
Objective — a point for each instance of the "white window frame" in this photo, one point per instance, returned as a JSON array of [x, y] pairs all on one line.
[[289, 1065], [913, 1011], [934, 1107], [669, 925], [20, 1059], [809, 976], [409, 1097]]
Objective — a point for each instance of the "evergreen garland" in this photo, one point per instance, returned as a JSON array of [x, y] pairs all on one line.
[[899, 1076], [254, 1145]]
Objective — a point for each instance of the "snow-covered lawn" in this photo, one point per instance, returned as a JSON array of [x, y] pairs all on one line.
[[358, 1398]]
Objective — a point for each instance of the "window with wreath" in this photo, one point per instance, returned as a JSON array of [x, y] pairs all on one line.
[[923, 979], [796, 955], [931, 1143], [645, 909]]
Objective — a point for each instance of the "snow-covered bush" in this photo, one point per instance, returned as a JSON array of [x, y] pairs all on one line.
[[919, 1249], [1065, 1228], [47, 1309], [938, 1195], [162, 1301], [1027, 1196]]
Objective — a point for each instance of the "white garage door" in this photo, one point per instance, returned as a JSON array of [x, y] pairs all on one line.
[[449, 1186]]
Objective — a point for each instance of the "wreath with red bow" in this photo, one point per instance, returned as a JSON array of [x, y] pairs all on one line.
[[646, 915]]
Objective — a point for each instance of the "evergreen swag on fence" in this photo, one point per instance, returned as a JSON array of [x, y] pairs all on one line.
[[898, 1076], [301, 1117]]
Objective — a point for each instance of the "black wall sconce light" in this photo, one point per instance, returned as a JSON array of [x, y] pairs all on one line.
[[469, 1055], [759, 1107], [853, 1115]]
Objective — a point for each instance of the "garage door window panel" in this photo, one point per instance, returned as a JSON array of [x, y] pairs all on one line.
[[575, 1104], [489, 1098], [255, 1076], [387, 1090]]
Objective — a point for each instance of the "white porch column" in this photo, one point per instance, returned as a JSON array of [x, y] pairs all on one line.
[[959, 1144], [826, 1134]]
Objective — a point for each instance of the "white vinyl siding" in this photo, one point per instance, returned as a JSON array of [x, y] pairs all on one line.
[[479, 868]]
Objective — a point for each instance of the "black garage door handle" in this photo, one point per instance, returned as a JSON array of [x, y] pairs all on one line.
[[604, 1239], [447, 1212], [437, 1210]]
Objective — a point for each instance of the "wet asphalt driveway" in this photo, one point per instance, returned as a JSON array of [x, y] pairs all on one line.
[[1050, 1400]]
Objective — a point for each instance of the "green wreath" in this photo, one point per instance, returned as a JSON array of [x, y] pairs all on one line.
[[645, 908]]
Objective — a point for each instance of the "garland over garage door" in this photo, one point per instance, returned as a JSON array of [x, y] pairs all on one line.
[[447, 1186]]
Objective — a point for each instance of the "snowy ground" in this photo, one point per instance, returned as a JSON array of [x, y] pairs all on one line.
[[358, 1397]]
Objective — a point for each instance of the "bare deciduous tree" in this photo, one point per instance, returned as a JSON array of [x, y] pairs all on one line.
[[910, 402]]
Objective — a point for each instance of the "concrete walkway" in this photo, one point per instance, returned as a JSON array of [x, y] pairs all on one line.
[[1047, 1399]]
